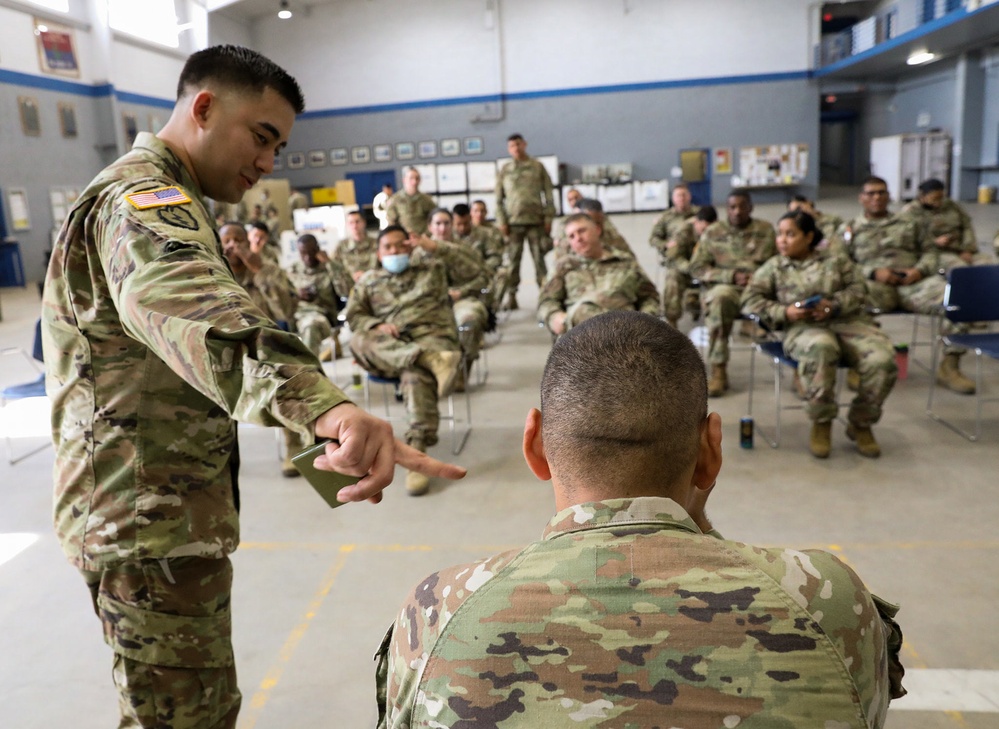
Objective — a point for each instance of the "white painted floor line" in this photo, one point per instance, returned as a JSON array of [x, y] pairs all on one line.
[[945, 689], [13, 544]]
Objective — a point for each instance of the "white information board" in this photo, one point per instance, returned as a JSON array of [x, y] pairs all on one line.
[[481, 176], [452, 178]]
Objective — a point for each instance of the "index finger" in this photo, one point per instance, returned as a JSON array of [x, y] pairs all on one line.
[[413, 460]]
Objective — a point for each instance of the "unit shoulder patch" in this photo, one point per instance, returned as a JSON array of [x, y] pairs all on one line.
[[159, 197]]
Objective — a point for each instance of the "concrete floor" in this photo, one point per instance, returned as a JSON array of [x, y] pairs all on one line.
[[316, 589]]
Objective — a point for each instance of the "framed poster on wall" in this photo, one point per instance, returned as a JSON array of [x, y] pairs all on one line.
[[338, 156], [296, 160], [405, 150], [31, 121], [56, 49], [383, 152]]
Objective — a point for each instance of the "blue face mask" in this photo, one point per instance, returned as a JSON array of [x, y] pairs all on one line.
[[397, 263]]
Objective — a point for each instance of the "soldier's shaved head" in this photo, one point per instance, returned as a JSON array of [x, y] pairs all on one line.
[[623, 401]]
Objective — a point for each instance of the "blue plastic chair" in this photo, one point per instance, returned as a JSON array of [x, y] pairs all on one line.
[[457, 440], [25, 390], [972, 295]]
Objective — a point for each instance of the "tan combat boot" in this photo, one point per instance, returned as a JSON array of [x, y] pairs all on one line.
[[949, 375], [853, 379], [864, 439], [292, 445], [819, 440], [416, 483], [444, 366], [718, 382]]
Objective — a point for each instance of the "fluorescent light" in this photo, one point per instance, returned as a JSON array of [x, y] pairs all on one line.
[[284, 13], [919, 57]]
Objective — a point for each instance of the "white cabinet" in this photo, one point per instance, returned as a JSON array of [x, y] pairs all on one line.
[[905, 160]]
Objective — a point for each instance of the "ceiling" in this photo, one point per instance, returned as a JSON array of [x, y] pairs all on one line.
[[251, 10]]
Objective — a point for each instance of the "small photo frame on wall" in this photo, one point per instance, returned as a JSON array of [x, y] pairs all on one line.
[[383, 153], [131, 126], [278, 162], [405, 150], [317, 158], [450, 147], [31, 120], [338, 156], [428, 149], [17, 209], [296, 160], [67, 119], [360, 155], [473, 145]]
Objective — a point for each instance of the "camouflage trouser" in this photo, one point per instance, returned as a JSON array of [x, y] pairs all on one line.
[[535, 236], [676, 280], [924, 297], [169, 625], [581, 311], [314, 329], [471, 317], [862, 346], [950, 260], [387, 356], [721, 307]]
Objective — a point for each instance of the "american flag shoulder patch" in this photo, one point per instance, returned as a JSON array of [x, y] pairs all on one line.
[[160, 197]]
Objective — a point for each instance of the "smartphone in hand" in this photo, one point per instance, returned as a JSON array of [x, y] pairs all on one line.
[[326, 483]]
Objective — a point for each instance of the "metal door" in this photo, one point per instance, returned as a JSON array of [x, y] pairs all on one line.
[[369, 184]]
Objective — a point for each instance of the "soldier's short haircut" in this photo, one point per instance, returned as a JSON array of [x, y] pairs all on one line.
[[805, 222], [798, 197], [516, 136], [392, 229], [741, 192], [872, 180], [306, 239], [461, 210], [575, 218], [479, 202], [931, 185], [589, 205], [355, 212], [707, 213], [623, 400], [681, 186], [436, 211], [239, 68], [260, 226]]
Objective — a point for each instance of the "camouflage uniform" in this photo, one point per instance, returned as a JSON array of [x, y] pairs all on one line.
[[819, 347], [350, 257], [667, 228], [828, 224], [467, 274], [272, 292], [952, 221], [676, 276], [314, 319], [722, 250], [585, 287], [417, 302], [610, 239], [897, 242], [524, 202], [152, 349], [412, 212], [489, 243], [593, 627]]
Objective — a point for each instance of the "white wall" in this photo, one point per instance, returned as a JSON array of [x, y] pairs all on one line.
[[372, 52], [145, 71]]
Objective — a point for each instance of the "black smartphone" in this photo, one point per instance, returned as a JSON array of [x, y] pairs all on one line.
[[326, 483]]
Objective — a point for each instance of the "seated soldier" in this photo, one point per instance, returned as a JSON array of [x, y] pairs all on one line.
[[670, 223], [467, 279], [947, 225], [271, 290], [825, 222], [610, 238], [572, 198], [490, 247], [591, 280], [262, 243], [726, 256], [631, 610], [318, 304], [400, 316], [677, 278], [900, 266], [482, 224], [353, 256]]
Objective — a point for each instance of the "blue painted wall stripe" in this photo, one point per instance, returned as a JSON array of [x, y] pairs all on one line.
[[46, 83]]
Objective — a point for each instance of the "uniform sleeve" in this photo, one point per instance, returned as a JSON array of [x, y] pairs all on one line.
[[768, 247], [929, 256], [552, 297], [548, 194], [176, 295], [359, 313], [969, 243], [343, 282], [658, 239], [278, 291], [852, 296], [702, 264], [648, 298], [760, 296], [392, 211], [501, 218], [466, 271]]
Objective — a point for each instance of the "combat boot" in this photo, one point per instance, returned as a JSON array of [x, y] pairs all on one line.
[[949, 375], [819, 441], [718, 382], [511, 302], [292, 445], [853, 379], [864, 439], [444, 366]]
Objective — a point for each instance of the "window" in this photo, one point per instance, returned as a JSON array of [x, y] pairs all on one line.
[[61, 6], [151, 20]]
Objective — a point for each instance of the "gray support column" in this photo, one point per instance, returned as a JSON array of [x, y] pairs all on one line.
[[969, 112]]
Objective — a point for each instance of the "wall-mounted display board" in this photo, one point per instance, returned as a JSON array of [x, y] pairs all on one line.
[[651, 195], [428, 176], [482, 176], [452, 177], [449, 201], [773, 165]]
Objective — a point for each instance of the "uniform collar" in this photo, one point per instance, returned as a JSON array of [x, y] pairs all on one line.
[[613, 512], [174, 167]]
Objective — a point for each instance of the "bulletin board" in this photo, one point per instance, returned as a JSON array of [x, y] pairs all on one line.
[[774, 165]]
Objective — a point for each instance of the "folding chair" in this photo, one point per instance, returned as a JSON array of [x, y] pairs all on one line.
[[970, 296], [457, 441]]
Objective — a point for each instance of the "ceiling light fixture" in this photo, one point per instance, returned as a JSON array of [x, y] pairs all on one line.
[[284, 13], [919, 57]]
